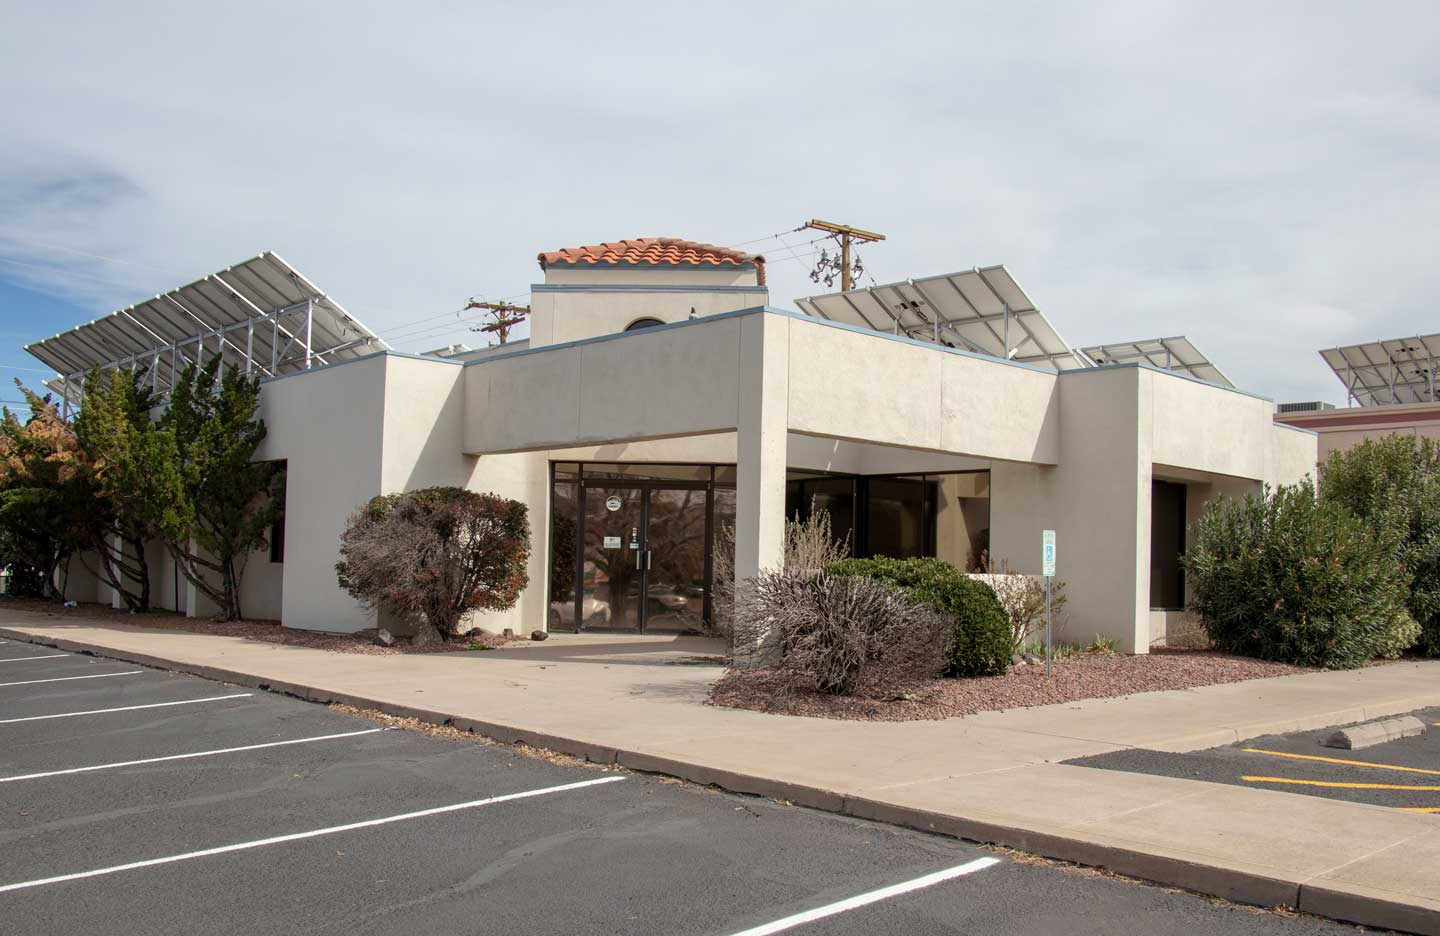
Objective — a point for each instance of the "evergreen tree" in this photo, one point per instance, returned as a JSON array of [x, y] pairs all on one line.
[[226, 501], [137, 480]]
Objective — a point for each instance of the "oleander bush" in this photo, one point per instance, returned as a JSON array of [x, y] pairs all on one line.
[[1288, 578], [1393, 484], [980, 637]]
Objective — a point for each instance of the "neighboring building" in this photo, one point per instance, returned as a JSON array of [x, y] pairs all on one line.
[[1390, 386], [659, 400]]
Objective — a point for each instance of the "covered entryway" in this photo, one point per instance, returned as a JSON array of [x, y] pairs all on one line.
[[632, 545]]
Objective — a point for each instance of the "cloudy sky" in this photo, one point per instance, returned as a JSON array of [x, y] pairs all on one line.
[[1260, 177]]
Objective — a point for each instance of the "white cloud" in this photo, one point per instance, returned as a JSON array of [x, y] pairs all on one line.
[[1260, 177]]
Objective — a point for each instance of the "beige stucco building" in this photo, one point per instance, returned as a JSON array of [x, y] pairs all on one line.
[[660, 401]]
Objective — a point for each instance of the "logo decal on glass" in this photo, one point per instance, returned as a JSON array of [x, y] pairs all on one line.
[[613, 503]]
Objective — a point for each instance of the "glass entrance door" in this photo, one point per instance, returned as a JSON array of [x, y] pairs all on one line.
[[613, 558], [675, 539], [644, 563]]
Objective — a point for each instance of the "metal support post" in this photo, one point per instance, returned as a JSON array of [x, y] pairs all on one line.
[[249, 344], [309, 321], [1049, 652]]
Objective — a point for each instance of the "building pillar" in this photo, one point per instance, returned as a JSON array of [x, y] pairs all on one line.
[[761, 427]]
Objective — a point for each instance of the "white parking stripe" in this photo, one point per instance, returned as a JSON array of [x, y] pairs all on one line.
[[175, 757], [884, 893], [125, 708], [314, 833], [32, 682], [48, 656]]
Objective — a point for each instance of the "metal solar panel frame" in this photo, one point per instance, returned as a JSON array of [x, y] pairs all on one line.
[[1177, 353], [982, 310], [261, 316], [1388, 372]]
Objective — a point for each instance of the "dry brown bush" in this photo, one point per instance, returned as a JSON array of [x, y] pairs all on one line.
[[831, 630]]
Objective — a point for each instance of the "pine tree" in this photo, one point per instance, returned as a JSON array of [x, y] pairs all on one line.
[[137, 482], [226, 501]]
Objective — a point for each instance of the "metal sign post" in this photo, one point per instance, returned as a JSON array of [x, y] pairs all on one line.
[[1047, 569]]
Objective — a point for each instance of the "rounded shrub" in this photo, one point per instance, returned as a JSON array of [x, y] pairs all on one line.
[[1287, 578], [980, 632]]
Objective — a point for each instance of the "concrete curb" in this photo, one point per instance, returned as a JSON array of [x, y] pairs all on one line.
[[1231, 884], [1370, 734]]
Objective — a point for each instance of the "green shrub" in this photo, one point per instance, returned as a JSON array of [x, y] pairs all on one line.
[[1393, 484], [1288, 578], [980, 634]]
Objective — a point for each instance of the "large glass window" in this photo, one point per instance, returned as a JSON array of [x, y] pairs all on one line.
[[941, 515]]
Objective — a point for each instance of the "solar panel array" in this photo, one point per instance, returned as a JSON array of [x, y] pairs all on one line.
[[260, 314], [1381, 373], [1177, 354], [982, 310]]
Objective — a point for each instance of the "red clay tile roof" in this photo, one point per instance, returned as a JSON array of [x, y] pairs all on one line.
[[655, 251]]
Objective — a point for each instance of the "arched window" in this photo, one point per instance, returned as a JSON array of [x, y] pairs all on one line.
[[643, 323]]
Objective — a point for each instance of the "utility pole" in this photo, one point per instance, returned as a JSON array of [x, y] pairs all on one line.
[[846, 234], [504, 317]]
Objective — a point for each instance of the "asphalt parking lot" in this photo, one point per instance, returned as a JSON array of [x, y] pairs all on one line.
[[1402, 774], [139, 801]]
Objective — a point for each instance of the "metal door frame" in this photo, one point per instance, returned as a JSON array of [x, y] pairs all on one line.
[[646, 487]]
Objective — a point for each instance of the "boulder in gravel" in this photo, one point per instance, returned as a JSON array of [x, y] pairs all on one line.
[[384, 638], [539, 635]]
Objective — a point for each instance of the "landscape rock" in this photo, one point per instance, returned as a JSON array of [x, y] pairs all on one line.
[[384, 638], [539, 635]]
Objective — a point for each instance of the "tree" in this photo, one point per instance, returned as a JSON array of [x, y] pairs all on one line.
[[136, 478], [225, 501], [434, 555], [1284, 577], [1393, 484], [45, 498]]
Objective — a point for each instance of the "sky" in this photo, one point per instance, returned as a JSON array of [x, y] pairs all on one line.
[[1259, 177]]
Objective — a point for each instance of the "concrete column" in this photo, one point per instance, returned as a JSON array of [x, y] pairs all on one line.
[[116, 601], [197, 603], [1101, 505], [762, 423]]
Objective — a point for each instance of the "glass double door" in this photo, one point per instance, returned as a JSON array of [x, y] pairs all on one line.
[[644, 563]]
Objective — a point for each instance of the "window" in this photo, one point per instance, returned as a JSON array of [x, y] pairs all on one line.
[[277, 538], [643, 323]]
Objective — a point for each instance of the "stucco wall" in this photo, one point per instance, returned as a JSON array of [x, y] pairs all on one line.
[[576, 304], [854, 385], [327, 424], [659, 382]]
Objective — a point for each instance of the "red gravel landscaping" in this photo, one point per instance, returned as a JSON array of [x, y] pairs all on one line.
[[267, 631], [1085, 676]]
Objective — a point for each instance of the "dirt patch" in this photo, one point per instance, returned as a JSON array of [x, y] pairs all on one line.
[[265, 631], [1086, 676]]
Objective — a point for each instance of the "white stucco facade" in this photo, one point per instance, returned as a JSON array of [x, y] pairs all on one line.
[[727, 380]]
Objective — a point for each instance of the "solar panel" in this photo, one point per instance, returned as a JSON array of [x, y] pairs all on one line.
[[982, 310], [1381, 373], [260, 315], [1176, 354]]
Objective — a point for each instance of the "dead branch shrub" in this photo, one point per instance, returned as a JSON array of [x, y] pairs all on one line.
[[1023, 598], [832, 630], [810, 546], [434, 555]]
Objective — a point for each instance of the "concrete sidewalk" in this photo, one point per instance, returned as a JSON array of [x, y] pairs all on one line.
[[992, 777]]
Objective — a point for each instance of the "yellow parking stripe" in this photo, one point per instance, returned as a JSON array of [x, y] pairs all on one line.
[[1434, 809], [1342, 786], [1338, 760]]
